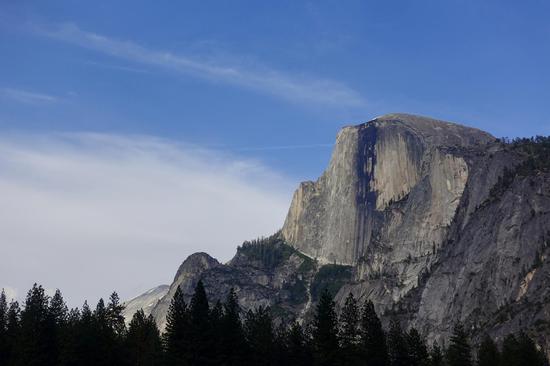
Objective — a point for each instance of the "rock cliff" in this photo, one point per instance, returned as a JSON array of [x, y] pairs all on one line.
[[433, 221]]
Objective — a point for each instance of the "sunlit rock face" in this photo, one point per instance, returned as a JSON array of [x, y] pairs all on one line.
[[146, 302], [397, 164]]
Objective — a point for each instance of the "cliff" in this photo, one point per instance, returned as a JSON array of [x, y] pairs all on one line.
[[433, 221]]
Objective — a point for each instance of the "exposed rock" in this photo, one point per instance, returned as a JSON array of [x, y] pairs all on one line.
[[145, 302], [413, 214]]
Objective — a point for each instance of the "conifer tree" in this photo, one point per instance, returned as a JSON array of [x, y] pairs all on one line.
[[298, 346], [325, 331], [176, 335], [417, 349], [143, 345], [35, 342], [57, 318], [3, 328], [115, 319], [436, 356], [488, 354], [260, 335], [233, 343], [201, 335], [216, 315], [12, 331], [398, 353], [70, 338], [510, 351], [104, 343], [459, 352], [528, 351], [349, 332], [87, 344], [373, 337], [280, 345]]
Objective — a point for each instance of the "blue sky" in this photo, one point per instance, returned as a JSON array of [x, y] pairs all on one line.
[[260, 86], [482, 63]]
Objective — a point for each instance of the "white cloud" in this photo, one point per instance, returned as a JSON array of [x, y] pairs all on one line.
[[27, 97], [256, 77], [89, 213]]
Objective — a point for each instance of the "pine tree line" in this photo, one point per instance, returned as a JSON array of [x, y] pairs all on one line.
[[45, 332]]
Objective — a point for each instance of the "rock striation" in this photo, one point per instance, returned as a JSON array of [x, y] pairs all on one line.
[[424, 217]]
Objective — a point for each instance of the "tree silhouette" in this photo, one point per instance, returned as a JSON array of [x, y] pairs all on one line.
[[325, 331], [176, 335], [488, 354], [349, 332], [398, 352], [373, 337], [459, 352], [142, 344]]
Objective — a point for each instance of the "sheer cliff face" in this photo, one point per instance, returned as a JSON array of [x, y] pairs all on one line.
[[410, 214], [350, 210]]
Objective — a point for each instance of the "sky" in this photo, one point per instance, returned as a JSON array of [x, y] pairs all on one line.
[[134, 133]]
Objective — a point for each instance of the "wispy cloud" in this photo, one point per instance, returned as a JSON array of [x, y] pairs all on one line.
[[255, 77], [27, 97], [117, 67], [122, 213], [283, 147]]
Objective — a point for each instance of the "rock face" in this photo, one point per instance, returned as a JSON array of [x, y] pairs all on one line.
[[414, 214], [394, 158], [146, 302]]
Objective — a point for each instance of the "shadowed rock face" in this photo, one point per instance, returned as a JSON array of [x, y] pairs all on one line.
[[406, 215]]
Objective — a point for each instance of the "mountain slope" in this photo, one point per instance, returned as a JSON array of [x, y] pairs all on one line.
[[433, 221]]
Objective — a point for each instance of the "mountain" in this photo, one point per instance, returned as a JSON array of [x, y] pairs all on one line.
[[433, 221], [146, 302]]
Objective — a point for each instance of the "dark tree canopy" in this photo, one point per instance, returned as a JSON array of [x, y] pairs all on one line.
[[44, 332]]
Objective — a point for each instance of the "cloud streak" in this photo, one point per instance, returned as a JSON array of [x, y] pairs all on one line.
[[89, 213], [27, 97], [262, 79]]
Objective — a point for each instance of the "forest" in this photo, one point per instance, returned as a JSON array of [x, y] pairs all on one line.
[[45, 332]]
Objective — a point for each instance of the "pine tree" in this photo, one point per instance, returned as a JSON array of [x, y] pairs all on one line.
[[13, 329], [510, 352], [84, 349], [233, 343], [104, 336], [260, 335], [70, 339], [201, 334], [176, 335], [349, 332], [143, 345], [325, 332], [459, 352], [57, 318], [3, 328], [298, 347], [528, 351], [436, 356], [398, 353], [488, 354], [373, 337], [115, 319], [416, 346], [35, 344], [280, 345]]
